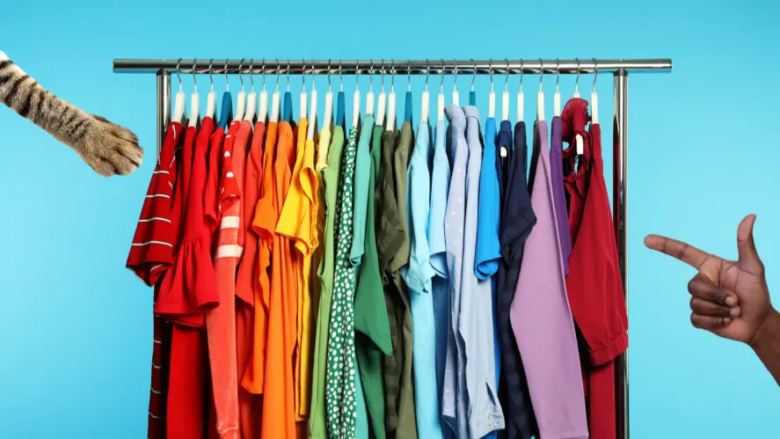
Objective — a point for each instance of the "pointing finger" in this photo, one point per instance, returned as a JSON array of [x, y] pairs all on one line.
[[678, 249]]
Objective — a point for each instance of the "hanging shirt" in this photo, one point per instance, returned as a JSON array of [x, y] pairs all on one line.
[[220, 322], [440, 182], [559, 197], [518, 219], [295, 223], [372, 327], [418, 279], [330, 180], [455, 397], [594, 284], [488, 246], [279, 388], [541, 319], [264, 214], [248, 289], [340, 384], [484, 410]]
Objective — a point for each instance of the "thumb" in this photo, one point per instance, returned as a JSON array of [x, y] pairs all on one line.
[[748, 256]]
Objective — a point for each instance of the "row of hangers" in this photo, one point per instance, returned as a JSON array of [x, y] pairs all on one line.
[[247, 106]]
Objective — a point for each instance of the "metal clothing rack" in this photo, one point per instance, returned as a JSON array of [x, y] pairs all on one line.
[[620, 68]]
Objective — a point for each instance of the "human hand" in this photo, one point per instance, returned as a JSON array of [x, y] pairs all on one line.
[[730, 298]]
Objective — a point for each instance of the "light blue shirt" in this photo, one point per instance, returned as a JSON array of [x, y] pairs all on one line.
[[455, 397], [440, 182], [476, 316], [418, 279]]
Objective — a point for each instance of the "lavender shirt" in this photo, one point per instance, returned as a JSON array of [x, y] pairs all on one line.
[[559, 194], [541, 318]]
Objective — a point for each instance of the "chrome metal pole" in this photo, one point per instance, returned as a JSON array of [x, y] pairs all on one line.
[[163, 106], [619, 211]]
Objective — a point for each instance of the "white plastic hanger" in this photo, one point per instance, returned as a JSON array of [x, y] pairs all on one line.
[[440, 109], [304, 96], [262, 113], [521, 97], [194, 99], [275, 97], [594, 97], [577, 81], [241, 99], [391, 102], [356, 99], [251, 102], [455, 95], [492, 95], [180, 103], [426, 100], [211, 99], [313, 110], [380, 111], [505, 96], [540, 95], [557, 96], [370, 94], [328, 103]]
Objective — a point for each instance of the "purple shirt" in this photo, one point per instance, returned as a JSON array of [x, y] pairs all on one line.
[[541, 318], [559, 194]]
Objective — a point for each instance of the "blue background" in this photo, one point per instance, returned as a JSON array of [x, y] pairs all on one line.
[[75, 325]]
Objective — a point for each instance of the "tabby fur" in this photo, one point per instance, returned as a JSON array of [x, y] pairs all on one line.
[[108, 148]]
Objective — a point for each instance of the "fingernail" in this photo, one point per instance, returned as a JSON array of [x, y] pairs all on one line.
[[735, 312], [731, 301]]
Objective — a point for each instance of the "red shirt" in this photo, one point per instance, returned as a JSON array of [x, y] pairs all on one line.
[[594, 283]]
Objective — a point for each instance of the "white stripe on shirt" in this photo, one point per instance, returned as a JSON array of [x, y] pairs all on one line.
[[229, 222], [229, 251]]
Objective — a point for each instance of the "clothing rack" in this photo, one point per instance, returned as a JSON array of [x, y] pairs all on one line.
[[620, 68]]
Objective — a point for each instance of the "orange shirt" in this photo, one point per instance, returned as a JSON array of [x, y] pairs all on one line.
[[264, 213], [279, 393]]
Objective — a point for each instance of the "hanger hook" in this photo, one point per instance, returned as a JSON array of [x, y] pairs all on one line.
[[288, 75], [303, 74], [506, 81], [541, 73], [371, 76], [313, 78], [475, 74], [241, 78], [392, 76], [178, 74], [278, 70], [455, 79], [490, 71], [211, 69], [577, 81], [441, 85], [357, 78], [329, 62], [427, 72], [341, 78], [595, 73], [227, 77], [251, 78], [409, 76], [194, 70], [262, 72], [383, 75], [521, 74], [557, 74]]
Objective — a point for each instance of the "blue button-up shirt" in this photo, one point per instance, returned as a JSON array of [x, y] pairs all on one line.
[[455, 397], [418, 280], [476, 317], [488, 245]]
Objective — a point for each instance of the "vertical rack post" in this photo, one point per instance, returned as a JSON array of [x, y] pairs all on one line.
[[619, 210], [163, 106]]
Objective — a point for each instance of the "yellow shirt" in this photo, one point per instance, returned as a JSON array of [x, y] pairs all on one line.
[[297, 221]]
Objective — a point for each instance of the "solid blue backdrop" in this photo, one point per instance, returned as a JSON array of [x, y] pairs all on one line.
[[75, 325]]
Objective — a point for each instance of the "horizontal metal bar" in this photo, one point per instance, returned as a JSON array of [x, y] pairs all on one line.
[[400, 67]]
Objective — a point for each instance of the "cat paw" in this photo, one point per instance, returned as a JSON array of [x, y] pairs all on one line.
[[110, 149]]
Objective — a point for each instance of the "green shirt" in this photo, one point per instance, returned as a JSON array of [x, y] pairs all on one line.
[[325, 271], [342, 365], [372, 328], [393, 247]]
